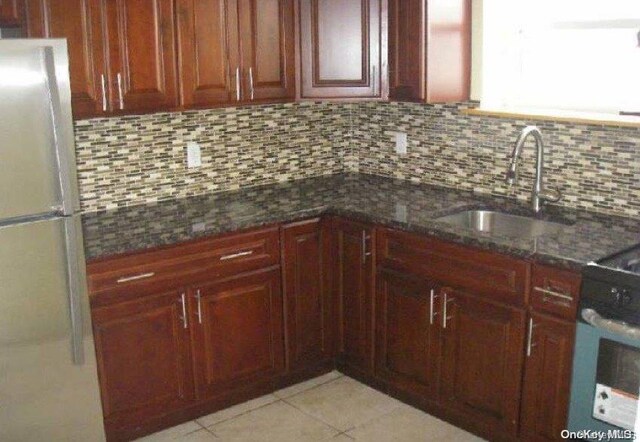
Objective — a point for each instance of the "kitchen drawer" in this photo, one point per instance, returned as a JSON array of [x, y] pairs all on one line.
[[183, 264], [555, 291], [497, 276]]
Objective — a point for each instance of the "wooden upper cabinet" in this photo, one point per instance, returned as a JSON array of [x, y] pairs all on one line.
[[80, 22], [12, 13], [429, 50], [340, 48], [267, 48], [142, 57], [209, 52]]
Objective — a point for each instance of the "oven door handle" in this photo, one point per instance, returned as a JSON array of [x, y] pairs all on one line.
[[594, 319]]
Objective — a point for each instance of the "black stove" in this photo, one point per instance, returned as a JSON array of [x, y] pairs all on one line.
[[611, 286]]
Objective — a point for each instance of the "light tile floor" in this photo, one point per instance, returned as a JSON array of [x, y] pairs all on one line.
[[331, 407]]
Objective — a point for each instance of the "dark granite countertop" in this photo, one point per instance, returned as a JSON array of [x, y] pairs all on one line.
[[412, 207]]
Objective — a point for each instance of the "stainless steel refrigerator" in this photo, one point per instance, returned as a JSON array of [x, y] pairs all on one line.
[[48, 378]]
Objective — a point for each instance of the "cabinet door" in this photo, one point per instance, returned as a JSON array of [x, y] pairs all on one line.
[[354, 281], [80, 22], [482, 361], [142, 349], [407, 334], [267, 47], [12, 13], [142, 58], [547, 378], [237, 334], [341, 48], [429, 50], [407, 50], [209, 58], [307, 294]]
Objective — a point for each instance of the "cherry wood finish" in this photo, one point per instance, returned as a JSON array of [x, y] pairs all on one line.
[[555, 291], [142, 57], [547, 380], [429, 50], [267, 45], [307, 292], [12, 13], [143, 357], [80, 22], [112, 279], [353, 278], [209, 51], [501, 278], [408, 335], [341, 48], [482, 361], [237, 331]]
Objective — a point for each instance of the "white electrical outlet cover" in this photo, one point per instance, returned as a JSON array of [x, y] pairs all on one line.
[[194, 155], [401, 143]]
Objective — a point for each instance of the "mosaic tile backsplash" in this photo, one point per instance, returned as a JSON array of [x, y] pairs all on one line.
[[131, 160]]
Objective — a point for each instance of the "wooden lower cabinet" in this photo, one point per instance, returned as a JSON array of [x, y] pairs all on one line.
[[547, 380], [143, 355], [309, 327], [353, 279], [482, 352], [407, 335], [237, 333]]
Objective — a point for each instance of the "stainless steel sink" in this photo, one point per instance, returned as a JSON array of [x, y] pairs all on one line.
[[503, 224]]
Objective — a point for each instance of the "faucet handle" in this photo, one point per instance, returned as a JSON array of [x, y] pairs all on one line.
[[553, 194]]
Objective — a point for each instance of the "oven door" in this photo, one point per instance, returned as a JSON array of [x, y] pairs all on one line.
[[605, 382]]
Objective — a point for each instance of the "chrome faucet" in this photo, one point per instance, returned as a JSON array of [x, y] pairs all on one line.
[[538, 194]]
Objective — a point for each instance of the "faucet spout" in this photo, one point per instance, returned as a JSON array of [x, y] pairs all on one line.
[[537, 192]]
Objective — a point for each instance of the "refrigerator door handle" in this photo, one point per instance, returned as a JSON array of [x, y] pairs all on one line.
[[76, 277], [62, 152]]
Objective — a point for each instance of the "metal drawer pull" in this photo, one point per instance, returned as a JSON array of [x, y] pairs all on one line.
[[237, 84], [136, 277], [554, 294], [120, 95], [104, 92], [530, 343], [433, 296], [236, 255], [184, 310], [364, 246], [444, 312], [198, 298]]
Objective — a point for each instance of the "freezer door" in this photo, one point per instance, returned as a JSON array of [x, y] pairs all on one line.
[[48, 377], [37, 158]]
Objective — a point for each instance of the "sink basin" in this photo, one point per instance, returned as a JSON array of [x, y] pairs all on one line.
[[503, 224]]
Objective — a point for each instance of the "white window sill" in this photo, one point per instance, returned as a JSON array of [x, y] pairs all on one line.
[[561, 116]]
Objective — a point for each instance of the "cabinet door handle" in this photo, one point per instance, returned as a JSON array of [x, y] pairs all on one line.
[[198, 298], [251, 82], [374, 82], [183, 300], [553, 293], [120, 95], [364, 246], [236, 255], [530, 343], [445, 318], [432, 298], [237, 84], [104, 92], [135, 277]]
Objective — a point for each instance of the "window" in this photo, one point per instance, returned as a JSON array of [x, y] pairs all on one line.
[[567, 55]]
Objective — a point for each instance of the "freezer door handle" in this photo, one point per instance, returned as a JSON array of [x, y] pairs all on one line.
[[76, 277], [62, 152]]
